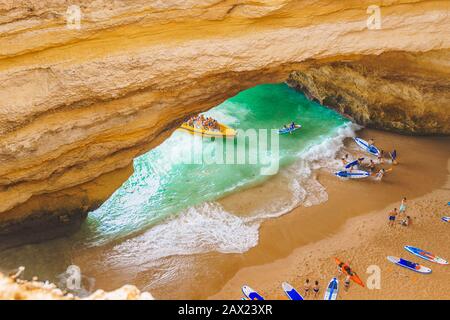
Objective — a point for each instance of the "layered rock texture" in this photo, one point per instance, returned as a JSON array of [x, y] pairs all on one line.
[[403, 92], [78, 104], [17, 289]]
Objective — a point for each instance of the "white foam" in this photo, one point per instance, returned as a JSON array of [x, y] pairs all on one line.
[[209, 227], [204, 228]]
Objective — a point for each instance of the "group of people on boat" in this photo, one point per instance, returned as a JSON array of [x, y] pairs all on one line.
[[202, 122]]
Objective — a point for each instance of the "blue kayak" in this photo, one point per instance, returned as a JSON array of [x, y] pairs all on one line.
[[289, 130], [446, 219]]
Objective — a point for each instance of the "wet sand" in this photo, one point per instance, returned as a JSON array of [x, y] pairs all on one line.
[[352, 225]]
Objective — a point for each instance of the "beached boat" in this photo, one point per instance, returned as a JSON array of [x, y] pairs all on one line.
[[224, 131]]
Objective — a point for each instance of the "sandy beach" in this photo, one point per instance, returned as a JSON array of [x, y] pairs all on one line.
[[352, 225]]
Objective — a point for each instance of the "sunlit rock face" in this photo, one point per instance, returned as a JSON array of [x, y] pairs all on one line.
[[16, 289], [403, 92], [80, 100]]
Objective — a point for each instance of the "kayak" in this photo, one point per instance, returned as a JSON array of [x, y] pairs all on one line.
[[446, 219], [291, 292], [353, 276], [289, 130], [355, 174], [251, 294], [332, 290], [352, 164], [409, 265], [425, 255], [363, 144], [224, 131]]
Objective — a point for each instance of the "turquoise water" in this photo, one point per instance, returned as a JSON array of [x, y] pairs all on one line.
[[162, 187]]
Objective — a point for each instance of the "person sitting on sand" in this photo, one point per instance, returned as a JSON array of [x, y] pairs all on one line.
[[406, 222], [307, 287], [392, 215], [316, 289]]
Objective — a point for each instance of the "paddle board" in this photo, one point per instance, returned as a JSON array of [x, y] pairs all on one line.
[[251, 294], [289, 130], [409, 265], [291, 292], [446, 219], [425, 255], [355, 174], [332, 290], [363, 144]]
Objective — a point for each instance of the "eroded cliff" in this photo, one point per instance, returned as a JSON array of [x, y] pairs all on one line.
[[77, 105], [397, 91]]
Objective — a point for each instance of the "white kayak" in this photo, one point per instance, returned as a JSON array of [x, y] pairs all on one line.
[[425, 255], [354, 174], [409, 265], [332, 290], [446, 219], [363, 144]]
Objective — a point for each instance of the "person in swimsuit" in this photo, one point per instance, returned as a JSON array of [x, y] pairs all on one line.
[[316, 289], [406, 222], [346, 283], [372, 166], [307, 287], [403, 206], [380, 157], [345, 160], [392, 216]]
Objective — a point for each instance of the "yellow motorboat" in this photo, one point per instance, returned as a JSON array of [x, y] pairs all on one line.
[[224, 131]]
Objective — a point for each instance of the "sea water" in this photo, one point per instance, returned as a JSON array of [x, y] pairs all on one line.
[[168, 208]]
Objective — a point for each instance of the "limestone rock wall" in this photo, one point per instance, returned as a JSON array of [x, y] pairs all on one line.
[[77, 105]]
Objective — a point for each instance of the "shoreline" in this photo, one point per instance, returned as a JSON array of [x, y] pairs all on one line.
[[362, 239]]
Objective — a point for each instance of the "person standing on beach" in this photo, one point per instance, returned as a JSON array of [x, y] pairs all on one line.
[[307, 287], [316, 289], [346, 283], [403, 206], [392, 216]]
